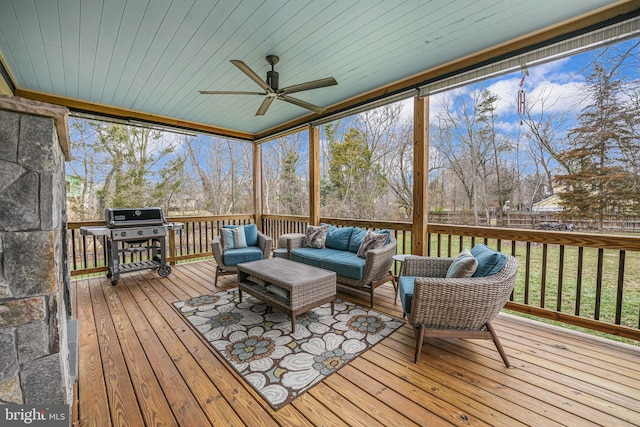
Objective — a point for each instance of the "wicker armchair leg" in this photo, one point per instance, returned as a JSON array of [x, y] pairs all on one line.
[[496, 341], [215, 284], [419, 331]]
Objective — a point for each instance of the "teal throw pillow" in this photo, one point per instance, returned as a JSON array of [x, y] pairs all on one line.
[[250, 232], [338, 237], [490, 262], [233, 238], [357, 235]]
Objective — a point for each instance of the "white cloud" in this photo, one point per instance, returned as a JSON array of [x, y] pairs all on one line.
[[553, 97]]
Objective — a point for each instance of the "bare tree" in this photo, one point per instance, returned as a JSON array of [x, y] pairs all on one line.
[[285, 178]]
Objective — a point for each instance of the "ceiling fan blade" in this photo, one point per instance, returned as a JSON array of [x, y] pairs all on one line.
[[228, 92], [265, 105], [302, 104], [329, 81], [252, 75]]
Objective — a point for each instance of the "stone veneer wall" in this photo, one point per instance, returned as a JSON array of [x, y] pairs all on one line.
[[34, 277]]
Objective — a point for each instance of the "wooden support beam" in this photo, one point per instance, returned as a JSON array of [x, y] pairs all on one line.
[[127, 114], [420, 175], [257, 184], [314, 175]]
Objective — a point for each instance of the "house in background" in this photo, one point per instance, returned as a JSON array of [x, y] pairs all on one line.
[[550, 204]]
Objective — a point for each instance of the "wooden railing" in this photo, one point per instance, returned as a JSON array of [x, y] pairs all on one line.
[[583, 279], [87, 254], [588, 280]]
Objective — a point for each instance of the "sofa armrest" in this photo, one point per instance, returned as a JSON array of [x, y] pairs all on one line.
[[378, 262], [295, 242], [216, 247], [265, 243], [426, 266]]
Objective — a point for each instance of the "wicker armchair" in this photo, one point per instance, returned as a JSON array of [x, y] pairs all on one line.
[[264, 245], [457, 308]]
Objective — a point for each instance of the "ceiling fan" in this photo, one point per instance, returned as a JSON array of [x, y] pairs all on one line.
[[271, 89]]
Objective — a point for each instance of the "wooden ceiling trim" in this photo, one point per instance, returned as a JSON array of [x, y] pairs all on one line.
[[580, 23], [123, 113], [7, 82]]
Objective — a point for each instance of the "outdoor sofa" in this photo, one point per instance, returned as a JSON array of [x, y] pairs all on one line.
[[339, 253]]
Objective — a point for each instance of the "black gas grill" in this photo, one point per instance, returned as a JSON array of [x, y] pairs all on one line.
[[140, 231]]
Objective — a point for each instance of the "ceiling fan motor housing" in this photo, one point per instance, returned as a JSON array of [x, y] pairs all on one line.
[[272, 79]]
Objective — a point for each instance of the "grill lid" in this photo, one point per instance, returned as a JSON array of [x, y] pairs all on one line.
[[133, 217]]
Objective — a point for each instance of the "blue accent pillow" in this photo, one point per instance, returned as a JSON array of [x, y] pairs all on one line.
[[338, 237], [490, 262], [233, 238], [250, 233], [357, 236]]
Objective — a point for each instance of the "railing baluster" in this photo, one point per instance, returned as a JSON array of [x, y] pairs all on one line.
[[560, 277], [84, 252], [599, 284], [579, 280], [527, 273], [543, 276], [619, 293], [73, 250]]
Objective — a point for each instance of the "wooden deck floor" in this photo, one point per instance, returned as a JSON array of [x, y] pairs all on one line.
[[140, 364]]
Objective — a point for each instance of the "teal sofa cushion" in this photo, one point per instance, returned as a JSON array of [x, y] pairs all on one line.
[[236, 256], [312, 256], [250, 233], [405, 289], [357, 235], [338, 238], [490, 262], [345, 264]]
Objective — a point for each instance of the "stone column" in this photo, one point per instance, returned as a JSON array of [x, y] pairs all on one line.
[[34, 276]]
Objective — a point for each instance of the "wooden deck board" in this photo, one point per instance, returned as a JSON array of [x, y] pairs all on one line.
[[141, 364]]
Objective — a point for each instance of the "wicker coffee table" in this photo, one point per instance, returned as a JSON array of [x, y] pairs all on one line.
[[287, 285]]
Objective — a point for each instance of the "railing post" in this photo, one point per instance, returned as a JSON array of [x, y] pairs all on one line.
[[314, 175], [257, 185], [420, 175]]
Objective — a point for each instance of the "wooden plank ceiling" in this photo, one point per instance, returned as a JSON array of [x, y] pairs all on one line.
[[147, 59]]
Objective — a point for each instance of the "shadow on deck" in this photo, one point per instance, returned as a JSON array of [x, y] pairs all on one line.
[[140, 364]]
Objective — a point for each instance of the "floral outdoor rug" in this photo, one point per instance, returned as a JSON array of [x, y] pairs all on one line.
[[257, 341]]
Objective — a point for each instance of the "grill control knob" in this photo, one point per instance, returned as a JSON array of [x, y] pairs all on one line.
[[155, 231], [140, 232], [124, 233]]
